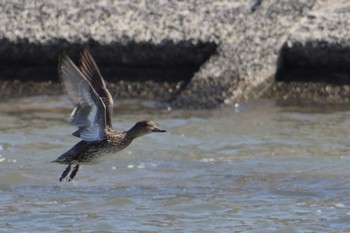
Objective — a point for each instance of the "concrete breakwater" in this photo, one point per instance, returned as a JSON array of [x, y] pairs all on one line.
[[193, 54]]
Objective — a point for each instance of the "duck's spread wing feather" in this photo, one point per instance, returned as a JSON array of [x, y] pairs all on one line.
[[89, 113], [91, 72]]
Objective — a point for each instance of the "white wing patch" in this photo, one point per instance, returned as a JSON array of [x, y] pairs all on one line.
[[89, 113]]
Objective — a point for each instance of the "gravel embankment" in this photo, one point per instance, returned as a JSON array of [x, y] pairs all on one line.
[[233, 48]]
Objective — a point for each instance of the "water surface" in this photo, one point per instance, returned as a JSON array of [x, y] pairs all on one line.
[[258, 167]]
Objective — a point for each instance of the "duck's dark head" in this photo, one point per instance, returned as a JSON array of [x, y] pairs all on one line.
[[144, 127]]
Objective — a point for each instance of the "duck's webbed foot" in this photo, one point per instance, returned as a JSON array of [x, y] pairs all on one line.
[[65, 173], [74, 172]]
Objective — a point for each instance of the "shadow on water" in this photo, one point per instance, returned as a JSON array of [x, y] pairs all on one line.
[[313, 107]]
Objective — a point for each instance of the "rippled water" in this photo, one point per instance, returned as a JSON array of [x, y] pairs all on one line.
[[256, 168]]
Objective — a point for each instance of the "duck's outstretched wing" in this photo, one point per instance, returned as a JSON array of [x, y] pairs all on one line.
[[88, 67], [90, 112]]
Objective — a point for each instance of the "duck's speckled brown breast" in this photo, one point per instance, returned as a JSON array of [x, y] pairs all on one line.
[[87, 152], [114, 143]]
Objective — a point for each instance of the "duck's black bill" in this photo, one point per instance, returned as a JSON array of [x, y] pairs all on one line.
[[158, 130]]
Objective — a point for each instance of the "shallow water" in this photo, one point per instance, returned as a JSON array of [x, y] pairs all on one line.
[[258, 167]]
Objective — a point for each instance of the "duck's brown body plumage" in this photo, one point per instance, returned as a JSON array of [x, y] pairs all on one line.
[[91, 152], [93, 115]]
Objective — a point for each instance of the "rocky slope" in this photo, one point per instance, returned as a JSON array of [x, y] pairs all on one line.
[[194, 54]]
